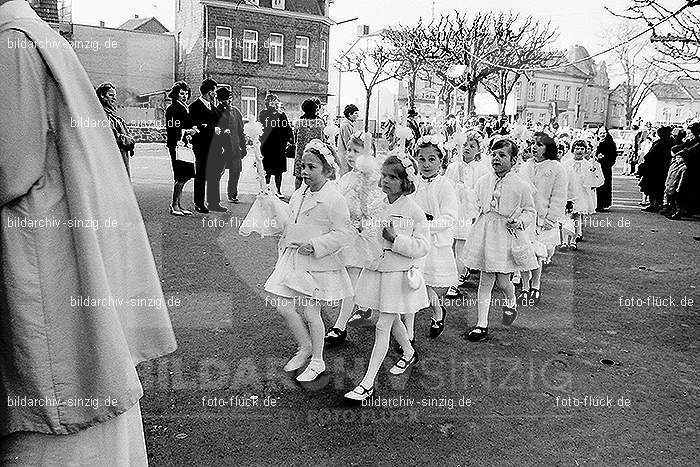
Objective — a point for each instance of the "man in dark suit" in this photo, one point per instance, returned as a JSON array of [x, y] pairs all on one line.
[[232, 141], [204, 117]]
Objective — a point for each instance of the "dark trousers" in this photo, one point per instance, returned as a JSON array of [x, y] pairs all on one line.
[[605, 191], [233, 176], [215, 169], [200, 176]]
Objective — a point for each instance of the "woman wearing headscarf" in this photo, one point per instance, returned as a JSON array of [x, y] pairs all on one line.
[[107, 94], [606, 153], [655, 167]]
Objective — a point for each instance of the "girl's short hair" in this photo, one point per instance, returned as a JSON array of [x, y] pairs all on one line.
[[424, 145], [328, 169], [407, 186], [550, 146], [506, 143], [579, 143], [177, 87]]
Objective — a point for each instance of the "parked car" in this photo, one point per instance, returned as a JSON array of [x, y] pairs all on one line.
[[624, 139]]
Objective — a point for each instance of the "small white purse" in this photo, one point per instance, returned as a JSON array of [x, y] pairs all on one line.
[[184, 153]]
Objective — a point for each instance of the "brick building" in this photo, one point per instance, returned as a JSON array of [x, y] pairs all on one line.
[[254, 48]]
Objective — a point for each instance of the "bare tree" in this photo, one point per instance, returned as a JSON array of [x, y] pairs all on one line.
[[675, 31], [457, 39], [374, 65], [409, 45], [634, 65], [518, 44]]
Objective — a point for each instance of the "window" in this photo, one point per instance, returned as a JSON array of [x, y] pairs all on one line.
[[518, 87], [678, 112], [595, 104], [543, 95], [578, 95], [223, 42], [301, 51], [567, 94], [324, 55], [543, 117], [250, 45], [249, 103], [180, 51], [276, 49], [531, 91], [279, 4], [556, 92], [530, 116]]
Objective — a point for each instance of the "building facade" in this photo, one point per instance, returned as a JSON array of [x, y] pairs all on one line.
[[674, 103], [135, 62], [573, 96], [276, 46]]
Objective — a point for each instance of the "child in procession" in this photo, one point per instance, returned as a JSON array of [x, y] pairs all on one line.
[[436, 195], [393, 283], [309, 271], [496, 244]]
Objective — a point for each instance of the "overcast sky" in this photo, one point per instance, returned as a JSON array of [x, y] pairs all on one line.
[[578, 21]]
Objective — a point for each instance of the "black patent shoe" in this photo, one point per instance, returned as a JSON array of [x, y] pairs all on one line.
[[335, 337], [509, 315], [535, 296], [437, 326], [361, 318], [478, 334]]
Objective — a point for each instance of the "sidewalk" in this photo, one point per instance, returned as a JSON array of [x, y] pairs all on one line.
[[151, 165]]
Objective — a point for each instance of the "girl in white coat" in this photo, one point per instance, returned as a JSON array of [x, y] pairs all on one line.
[[309, 270], [546, 173], [506, 208], [364, 197], [393, 282], [436, 195], [464, 173]]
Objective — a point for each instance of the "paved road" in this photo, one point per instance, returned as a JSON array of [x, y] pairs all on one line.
[[604, 333]]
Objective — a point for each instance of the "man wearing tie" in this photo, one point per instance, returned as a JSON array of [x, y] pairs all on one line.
[[204, 118]]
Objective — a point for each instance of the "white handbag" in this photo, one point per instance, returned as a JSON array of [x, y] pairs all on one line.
[[184, 153]]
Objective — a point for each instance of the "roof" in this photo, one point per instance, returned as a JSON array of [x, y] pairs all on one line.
[[691, 86], [137, 24], [670, 91]]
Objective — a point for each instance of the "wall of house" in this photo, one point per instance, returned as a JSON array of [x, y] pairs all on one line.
[[134, 62]]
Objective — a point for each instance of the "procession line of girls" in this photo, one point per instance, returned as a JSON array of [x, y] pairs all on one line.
[[393, 252]]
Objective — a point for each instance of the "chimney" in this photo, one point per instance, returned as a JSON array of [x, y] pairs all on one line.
[[136, 16], [102, 24]]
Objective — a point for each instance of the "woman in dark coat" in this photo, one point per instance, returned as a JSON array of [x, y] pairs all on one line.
[[655, 168], [606, 155], [178, 124], [277, 134]]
